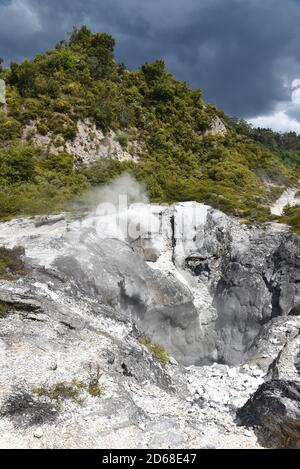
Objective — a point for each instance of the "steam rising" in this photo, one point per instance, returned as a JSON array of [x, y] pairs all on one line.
[[124, 185], [121, 210]]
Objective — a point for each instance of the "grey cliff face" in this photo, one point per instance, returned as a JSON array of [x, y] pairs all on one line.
[[252, 275], [204, 292], [220, 297]]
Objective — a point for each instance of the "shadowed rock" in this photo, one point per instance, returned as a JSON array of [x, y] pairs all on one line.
[[23, 409], [276, 407]]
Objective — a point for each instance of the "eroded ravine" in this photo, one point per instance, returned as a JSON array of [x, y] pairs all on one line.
[[202, 286]]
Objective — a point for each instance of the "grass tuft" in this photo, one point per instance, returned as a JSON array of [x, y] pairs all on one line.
[[158, 352]]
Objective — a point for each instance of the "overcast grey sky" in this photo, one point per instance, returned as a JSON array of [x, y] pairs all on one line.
[[244, 54]]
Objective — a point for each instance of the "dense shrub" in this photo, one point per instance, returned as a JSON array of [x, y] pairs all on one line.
[[32, 183], [291, 217]]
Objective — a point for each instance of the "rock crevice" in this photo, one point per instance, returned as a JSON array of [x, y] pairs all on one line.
[[220, 297]]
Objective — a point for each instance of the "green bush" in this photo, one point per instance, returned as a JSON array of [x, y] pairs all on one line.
[[17, 164], [10, 129], [32, 183], [291, 217], [11, 265], [122, 138]]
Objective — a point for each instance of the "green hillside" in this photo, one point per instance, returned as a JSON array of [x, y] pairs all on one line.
[[179, 158]]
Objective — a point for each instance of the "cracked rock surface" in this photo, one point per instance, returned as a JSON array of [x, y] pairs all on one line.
[[220, 297]]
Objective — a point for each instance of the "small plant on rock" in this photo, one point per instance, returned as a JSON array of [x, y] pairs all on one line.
[[94, 388], [158, 352], [73, 391], [62, 391], [109, 301], [4, 309]]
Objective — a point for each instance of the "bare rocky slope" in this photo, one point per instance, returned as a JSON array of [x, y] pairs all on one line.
[[220, 297]]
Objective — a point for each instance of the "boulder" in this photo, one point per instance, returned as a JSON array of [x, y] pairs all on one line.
[[286, 365], [275, 406], [276, 341]]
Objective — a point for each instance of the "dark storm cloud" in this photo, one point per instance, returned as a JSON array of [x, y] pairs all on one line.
[[238, 51]]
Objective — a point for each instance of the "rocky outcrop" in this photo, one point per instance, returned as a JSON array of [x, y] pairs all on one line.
[[89, 144], [276, 407], [211, 291], [274, 347], [74, 319], [55, 341], [242, 277], [255, 287], [286, 365], [251, 275], [2, 93], [290, 197], [217, 127], [196, 282]]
